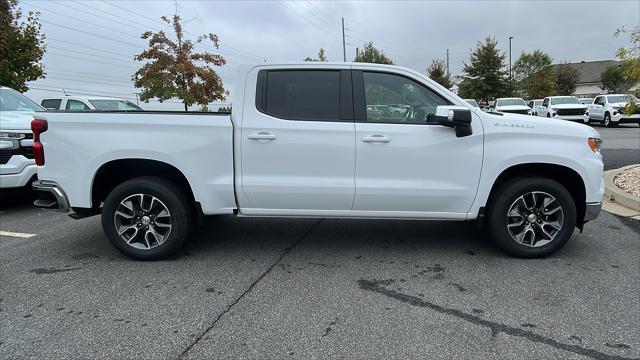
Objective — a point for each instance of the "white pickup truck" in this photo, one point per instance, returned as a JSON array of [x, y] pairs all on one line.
[[301, 143], [564, 108], [609, 110], [17, 167]]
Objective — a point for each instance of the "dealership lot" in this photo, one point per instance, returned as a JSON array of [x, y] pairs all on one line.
[[293, 288]]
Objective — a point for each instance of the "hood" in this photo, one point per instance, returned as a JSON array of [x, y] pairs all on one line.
[[568, 106], [618, 104], [16, 120], [512, 107], [537, 124]]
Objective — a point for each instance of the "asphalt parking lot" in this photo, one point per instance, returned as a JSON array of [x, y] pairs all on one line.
[[298, 288]]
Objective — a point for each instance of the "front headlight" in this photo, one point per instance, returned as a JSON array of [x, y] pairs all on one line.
[[595, 144]]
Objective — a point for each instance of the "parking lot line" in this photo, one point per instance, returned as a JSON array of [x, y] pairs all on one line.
[[16, 234]]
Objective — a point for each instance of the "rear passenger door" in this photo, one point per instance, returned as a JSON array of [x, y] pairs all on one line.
[[297, 141]]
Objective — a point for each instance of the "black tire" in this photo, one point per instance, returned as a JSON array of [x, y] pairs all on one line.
[[607, 121], [171, 196], [501, 201]]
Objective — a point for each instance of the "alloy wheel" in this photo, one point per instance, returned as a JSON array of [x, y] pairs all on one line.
[[534, 219], [142, 221]]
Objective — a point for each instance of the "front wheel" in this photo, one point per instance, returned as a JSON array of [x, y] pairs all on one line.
[[147, 218], [607, 121], [531, 217]]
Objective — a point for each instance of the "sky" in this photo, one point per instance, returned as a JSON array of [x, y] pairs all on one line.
[[91, 44]]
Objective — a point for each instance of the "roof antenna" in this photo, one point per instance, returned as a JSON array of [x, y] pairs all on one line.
[[65, 92]]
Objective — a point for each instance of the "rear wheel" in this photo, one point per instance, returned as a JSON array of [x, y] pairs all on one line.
[[531, 217], [147, 218]]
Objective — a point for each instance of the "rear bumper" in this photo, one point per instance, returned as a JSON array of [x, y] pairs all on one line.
[[50, 196], [592, 211]]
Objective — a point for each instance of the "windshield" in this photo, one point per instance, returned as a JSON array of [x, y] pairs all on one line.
[[11, 100], [472, 103], [565, 100], [620, 98], [508, 102], [114, 105]]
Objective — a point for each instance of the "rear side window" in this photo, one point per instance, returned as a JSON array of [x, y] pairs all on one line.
[[76, 105], [302, 94], [51, 103]]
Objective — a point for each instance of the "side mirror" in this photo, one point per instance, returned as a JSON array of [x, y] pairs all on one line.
[[456, 117]]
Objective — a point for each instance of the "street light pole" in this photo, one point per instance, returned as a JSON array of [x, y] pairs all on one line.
[[510, 74]]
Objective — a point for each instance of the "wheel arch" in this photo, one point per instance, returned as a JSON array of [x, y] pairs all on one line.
[[115, 172], [564, 175]]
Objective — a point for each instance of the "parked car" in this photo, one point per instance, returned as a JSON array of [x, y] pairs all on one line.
[[534, 105], [473, 103], [512, 105], [17, 167], [586, 101], [299, 143], [565, 108], [609, 110], [74, 103]]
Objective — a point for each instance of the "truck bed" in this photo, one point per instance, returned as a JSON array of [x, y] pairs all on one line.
[[198, 144]]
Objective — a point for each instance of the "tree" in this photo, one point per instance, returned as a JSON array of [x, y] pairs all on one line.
[[370, 54], [485, 76], [321, 56], [437, 71], [614, 81], [173, 69], [21, 45], [566, 79], [630, 56], [534, 75]]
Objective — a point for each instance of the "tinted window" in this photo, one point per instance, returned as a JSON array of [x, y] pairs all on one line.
[[395, 99], [303, 94], [114, 105], [51, 103], [76, 105]]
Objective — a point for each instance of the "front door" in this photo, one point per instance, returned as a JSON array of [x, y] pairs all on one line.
[[297, 142], [405, 162]]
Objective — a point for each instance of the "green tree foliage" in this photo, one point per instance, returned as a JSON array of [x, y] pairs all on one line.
[[566, 79], [485, 76], [533, 75], [370, 54], [437, 71], [614, 80], [630, 56], [322, 57], [173, 69], [21, 46]]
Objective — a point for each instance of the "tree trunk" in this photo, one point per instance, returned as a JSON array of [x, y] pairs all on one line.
[[186, 108]]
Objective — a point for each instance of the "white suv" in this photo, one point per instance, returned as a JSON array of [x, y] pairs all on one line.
[[17, 167], [75, 103]]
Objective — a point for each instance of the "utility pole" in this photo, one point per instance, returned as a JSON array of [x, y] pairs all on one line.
[[344, 46], [510, 74], [448, 73]]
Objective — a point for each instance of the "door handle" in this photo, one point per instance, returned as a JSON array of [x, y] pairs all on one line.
[[262, 136], [376, 139]]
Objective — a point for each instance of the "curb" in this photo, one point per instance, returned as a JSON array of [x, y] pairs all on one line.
[[615, 194]]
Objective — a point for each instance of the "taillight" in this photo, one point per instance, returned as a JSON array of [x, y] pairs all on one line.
[[38, 126]]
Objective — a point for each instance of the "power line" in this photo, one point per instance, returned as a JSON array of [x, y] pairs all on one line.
[[119, 41]]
